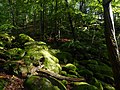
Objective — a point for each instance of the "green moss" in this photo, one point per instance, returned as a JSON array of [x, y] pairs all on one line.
[[57, 83], [63, 73], [37, 83], [107, 86], [25, 38], [6, 40], [103, 69], [70, 67], [64, 57], [95, 62], [15, 53], [85, 72], [96, 83], [84, 86]]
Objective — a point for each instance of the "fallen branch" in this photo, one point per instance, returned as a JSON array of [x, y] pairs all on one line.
[[47, 73]]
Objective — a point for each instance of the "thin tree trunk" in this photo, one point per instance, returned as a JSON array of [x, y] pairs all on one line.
[[12, 12], [42, 21], [71, 22], [111, 42], [56, 8], [34, 23]]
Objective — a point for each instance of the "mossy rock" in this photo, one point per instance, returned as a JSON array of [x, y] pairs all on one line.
[[103, 69], [96, 83], [52, 66], [36, 45], [70, 66], [49, 56], [105, 78], [64, 57], [73, 72], [107, 86], [4, 55], [23, 38], [6, 40], [57, 83], [63, 73], [37, 83], [99, 76], [43, 57], [38, 53], [15, 53], [65, 82], [1, 44], [84, 86], [85, 72], [85, 62]]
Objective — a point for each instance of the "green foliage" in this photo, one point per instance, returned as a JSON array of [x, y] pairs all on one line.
[[6, 28], [42, 18]]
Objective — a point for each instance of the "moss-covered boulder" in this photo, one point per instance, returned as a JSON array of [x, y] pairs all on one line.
[[39, 54], [6, 40], [103, 69], [107, 86], [83, 86], [43, 58], [64, 57], [96, 83], [15, 53], [39, 83], [38, 45], [70, 66], [85, 62], [23, 38], [85, 73]]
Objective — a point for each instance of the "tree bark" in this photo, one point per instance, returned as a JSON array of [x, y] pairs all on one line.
[[46, 73], [12, 12], [111, 42], [42, 28], [71, 22]]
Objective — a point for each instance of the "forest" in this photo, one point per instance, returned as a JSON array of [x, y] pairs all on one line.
[[59, 44]]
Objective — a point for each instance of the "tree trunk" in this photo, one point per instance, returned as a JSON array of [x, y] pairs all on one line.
[[34, 23], [111, 42], [71, 22], [42, 22], [12, 12]]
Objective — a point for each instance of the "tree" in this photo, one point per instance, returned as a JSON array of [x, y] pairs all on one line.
[[111, 42]]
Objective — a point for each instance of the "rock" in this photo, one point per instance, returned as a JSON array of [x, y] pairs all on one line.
[[84, 86], [37, 83], [70, 66]]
